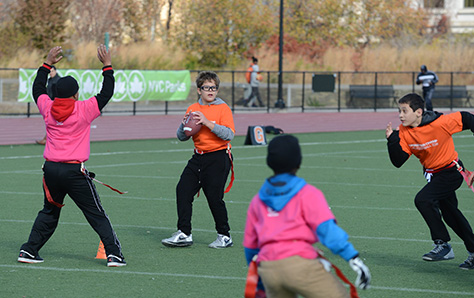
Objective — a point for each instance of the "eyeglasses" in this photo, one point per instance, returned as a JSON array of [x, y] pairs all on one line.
[[209, 88]]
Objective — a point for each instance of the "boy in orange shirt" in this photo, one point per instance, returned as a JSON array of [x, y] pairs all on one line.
[[428, 135], [209, 166]]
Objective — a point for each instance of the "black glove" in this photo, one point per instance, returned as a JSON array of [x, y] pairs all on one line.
[[363, 273]]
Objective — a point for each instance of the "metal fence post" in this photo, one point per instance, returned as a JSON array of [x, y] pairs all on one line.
[[339, 91], [302, 99], [451, 92], [268, 92], [375, 92], [233, 91]]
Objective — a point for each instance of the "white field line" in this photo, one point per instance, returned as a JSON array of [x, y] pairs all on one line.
[[229, 201], [214, 277], [20, 221], [190, 150], [381, 140]]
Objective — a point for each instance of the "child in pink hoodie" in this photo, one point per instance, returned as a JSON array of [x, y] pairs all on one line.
[[68, 124], [284, 220]]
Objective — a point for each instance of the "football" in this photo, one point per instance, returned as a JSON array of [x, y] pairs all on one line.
[[190, 125]]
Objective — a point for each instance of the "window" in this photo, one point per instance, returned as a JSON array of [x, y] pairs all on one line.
[[468, 3], [437, 3]]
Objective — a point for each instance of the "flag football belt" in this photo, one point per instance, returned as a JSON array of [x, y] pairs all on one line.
[[91, 175], [467, 175], [66, 161], [229, 153], [451, 165]]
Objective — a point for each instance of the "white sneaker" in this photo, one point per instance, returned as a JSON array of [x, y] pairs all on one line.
[[222, 241], [178, 239]]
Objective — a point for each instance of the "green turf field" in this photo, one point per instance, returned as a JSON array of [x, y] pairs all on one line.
[[372, 200]]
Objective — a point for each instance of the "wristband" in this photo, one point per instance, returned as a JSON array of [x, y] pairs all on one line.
[[46, 65]]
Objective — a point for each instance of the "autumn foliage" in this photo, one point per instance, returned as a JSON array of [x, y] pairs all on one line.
[[215, 33]]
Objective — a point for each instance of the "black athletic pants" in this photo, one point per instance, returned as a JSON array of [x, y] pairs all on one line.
[[208, 171], [437, 201], [67, 179]]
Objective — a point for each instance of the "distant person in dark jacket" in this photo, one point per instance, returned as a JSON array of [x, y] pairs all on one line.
[[428, 79]]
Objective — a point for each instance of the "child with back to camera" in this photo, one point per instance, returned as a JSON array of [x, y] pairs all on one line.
[[284, 220], [209, 166], [428, 136], [68, 124]]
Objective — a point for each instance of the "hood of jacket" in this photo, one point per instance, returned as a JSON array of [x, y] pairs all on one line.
[[216, 101], [278, 190], [428, 117], [62, 108]]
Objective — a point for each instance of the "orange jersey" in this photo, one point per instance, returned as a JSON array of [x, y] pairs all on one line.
[[221, 114], [432, 143]]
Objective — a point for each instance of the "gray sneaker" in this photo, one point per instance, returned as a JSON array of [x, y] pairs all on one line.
[[441, 252], [222, 241], [178, 239], [468, 263]]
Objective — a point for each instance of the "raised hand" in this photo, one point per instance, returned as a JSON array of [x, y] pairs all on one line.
[[388, 130], [104, 55], [52, 57]]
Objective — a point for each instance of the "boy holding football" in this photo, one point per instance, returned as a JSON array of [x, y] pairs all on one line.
[[210, 164], [428, 135]]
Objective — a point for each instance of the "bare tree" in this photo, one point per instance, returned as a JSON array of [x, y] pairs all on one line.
[[91, 19]]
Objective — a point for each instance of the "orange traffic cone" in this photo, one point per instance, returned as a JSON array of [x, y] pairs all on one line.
[[101, 252]]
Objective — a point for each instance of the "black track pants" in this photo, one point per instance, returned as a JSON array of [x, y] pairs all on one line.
[[208, 171], [67, 179], [437, 201]]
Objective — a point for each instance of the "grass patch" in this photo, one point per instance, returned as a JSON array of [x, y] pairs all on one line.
[[372, 200]]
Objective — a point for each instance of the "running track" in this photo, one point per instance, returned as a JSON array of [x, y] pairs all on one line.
[[15, 131]]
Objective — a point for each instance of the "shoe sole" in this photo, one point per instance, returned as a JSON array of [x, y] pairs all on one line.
[[230, 245], [114, 264], [465, 268], [29, 261], [181, 244], [435, 260]]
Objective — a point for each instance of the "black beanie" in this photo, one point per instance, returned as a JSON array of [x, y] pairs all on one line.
[[284, 154], [66, 87]]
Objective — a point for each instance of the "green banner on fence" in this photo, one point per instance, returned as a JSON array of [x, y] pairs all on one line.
[[130, 85]]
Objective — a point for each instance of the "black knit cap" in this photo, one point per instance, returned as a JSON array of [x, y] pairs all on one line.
[[66, 87], [284, 154]]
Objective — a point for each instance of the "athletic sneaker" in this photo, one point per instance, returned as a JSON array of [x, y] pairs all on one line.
[[468, 263], [114, 261], [26, 257], [178, 239], [441, 252], [222, 241]]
